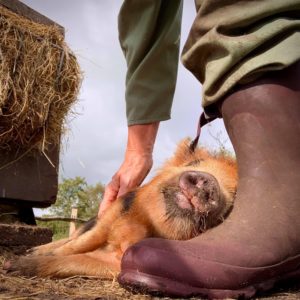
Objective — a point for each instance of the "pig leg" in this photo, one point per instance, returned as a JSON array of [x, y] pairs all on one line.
[[102, 263]]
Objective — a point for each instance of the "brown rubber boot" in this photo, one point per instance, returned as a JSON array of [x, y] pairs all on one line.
[[259, 244]]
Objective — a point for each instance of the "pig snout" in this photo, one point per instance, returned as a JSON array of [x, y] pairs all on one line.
[[199, 187]]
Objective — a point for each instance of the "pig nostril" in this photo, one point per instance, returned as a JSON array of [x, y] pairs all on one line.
[[192, 180], [195, 179]]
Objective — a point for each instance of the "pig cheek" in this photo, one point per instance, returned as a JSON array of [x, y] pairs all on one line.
[[218, 208]]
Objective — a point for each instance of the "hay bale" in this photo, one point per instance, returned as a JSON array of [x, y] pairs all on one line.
[[39, 82]]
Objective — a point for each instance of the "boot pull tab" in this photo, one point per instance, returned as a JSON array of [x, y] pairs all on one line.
[[202, 121]]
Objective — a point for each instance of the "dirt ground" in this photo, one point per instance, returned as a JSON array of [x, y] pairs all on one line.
[[87, 288]]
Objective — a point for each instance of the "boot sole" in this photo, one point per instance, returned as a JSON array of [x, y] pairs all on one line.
[[160, 286]]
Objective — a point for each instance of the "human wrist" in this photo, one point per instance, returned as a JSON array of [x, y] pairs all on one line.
[[141, 138]]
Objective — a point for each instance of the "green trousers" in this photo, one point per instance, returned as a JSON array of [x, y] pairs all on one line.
[[149, 32], [231, 42]]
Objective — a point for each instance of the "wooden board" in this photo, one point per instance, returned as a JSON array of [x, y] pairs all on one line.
[[27, 12], [24, 235], [31, 179]]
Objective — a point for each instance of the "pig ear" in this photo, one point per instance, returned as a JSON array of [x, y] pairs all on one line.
[[184, 155]]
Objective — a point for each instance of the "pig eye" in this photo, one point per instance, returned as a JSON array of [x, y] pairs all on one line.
[[194, 163]]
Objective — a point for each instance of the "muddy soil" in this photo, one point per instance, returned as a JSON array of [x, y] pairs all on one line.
[[15, 287]]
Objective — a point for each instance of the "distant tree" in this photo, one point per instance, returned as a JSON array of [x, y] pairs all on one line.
[[89, 201], [75, 192]]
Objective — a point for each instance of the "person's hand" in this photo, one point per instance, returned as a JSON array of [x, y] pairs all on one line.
[[131, 174], [136, 165]]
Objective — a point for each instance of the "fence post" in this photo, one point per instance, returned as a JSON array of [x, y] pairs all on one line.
[[72, 228]]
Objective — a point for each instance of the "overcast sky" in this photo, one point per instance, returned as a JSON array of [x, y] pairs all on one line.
[[94, 144]]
